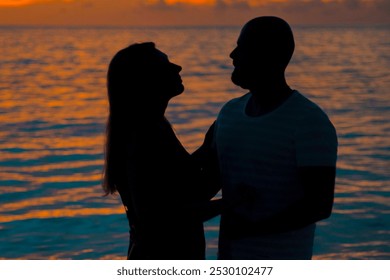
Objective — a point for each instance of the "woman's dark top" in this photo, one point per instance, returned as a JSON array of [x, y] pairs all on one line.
[[160, 194]]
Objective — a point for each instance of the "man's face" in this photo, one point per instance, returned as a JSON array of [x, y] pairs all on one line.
[[251, 60]]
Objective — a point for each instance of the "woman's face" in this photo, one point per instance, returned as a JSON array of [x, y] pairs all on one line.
[[164, 76]]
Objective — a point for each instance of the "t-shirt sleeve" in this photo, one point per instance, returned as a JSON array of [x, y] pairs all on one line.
[[316, 142]]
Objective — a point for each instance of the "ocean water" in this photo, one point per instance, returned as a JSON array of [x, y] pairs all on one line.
[[53, 110]]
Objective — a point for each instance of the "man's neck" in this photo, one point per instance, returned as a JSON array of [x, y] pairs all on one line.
[[266, 99]]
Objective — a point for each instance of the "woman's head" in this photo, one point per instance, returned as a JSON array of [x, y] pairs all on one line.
[[140, 82], [141, 74]]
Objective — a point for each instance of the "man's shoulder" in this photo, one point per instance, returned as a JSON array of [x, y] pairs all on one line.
[[313, 118], [235, 103], [307, 108], [237, 100]]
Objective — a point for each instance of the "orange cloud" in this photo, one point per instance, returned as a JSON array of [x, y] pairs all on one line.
[[191, 2], [252, 3], [189, 12]]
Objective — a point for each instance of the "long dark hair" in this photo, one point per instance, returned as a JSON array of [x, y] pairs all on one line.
[[125, 77]]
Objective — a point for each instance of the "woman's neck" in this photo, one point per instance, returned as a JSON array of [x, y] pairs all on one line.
[[156, 112]]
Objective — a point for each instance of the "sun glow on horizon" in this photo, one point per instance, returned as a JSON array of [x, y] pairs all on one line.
[[15, 3], [20, 3]]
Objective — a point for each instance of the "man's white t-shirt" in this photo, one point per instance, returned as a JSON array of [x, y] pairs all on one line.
[[263, 153]]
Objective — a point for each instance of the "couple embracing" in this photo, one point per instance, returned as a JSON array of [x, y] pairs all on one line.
[[272, 152]]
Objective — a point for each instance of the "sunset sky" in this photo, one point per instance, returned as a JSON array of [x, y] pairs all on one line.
[[190, 12]]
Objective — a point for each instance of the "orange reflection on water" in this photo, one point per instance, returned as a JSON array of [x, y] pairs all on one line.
[[75, 177], [70, 195], [363, 199], [61, 213], [43, 201], [348, 255], [66, 256], [55, 166]]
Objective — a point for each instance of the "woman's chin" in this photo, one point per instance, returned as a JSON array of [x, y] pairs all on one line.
[[176, 91]]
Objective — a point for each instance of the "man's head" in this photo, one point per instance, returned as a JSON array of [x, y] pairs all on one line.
[[264, 49]]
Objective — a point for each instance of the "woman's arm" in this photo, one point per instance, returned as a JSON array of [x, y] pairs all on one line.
[[205, 160]]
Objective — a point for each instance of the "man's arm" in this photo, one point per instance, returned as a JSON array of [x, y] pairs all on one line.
[[316, 154], [319, 184]]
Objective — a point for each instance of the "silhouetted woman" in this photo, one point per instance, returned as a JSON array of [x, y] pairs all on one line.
[[145, 162]]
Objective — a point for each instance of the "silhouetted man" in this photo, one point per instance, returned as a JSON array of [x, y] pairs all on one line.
[[275, 146]]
